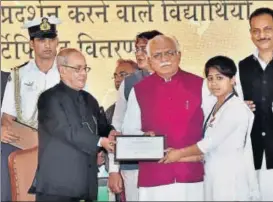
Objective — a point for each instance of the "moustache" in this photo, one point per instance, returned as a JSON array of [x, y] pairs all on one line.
[[164, 64]]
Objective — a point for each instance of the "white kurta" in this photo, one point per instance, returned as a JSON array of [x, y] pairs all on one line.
[[130, 177], [229, 169], [117, 120]]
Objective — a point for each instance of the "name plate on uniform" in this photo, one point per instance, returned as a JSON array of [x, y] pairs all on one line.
[[139, 147], [28, 136]]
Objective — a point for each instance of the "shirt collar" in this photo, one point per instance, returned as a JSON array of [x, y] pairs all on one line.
[[256, 56], [53, 68], [256, 53]]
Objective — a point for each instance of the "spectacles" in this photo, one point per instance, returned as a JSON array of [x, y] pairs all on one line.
[[140, 49], [121, 75], [168, 54], [78, 69], [266, 30]]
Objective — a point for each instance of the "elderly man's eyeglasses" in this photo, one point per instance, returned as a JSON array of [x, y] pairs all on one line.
[[121, 75], [168, 54], [78, 69]]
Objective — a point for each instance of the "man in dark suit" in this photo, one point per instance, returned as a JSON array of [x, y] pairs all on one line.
[[71, 130]]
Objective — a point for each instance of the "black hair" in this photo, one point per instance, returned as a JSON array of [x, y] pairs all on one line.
[[261, 11], [223, 64], [148, 35]]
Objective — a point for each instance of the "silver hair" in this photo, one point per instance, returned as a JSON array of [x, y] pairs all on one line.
[[172, 38], [63, 55], [62, 60]]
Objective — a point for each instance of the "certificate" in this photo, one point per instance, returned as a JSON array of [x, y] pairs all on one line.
[[28, 136], [139, 147]]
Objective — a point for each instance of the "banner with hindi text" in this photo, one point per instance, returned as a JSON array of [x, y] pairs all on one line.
[[105, 31]]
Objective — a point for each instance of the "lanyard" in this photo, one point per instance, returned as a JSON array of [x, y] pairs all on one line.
[[205, 127]]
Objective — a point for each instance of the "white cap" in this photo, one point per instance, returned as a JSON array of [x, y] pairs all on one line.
[[44, 27], [37, 21]]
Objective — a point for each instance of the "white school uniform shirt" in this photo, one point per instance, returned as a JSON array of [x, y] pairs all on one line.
[[228, 154], [33, 82]]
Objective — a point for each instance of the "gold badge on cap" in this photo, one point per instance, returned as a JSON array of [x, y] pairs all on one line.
[[44, 26]]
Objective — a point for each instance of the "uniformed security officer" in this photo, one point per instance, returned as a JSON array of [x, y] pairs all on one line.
[[24, 86]]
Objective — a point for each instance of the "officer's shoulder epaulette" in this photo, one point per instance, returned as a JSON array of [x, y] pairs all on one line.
[[19, 66]]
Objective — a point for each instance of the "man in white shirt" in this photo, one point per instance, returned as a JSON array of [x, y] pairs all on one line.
[[124, 68], [256, 73], [24, 86]]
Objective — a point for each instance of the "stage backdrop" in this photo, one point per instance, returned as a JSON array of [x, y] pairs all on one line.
[[105, 32]]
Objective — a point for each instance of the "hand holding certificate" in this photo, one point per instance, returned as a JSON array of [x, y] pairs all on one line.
[[139, 147], [27, 136]]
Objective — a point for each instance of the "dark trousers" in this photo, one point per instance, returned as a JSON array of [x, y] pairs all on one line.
[[40, 197], [45, 197], [6, 149]]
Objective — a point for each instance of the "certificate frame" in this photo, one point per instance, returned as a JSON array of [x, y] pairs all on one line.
[[119, 157]]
